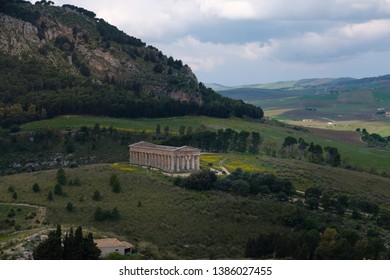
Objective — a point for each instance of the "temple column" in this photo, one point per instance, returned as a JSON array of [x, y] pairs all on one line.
[[183, 163], [178, 164], [164, 163], [169, 163], [172, 163], [192, 162]]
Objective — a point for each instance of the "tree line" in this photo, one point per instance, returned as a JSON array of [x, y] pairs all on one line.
[[293, 148], [73, 246], [223, 140], [240, 183], [330, 244]]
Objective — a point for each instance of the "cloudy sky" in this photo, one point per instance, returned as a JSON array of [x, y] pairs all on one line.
[[236, 42]]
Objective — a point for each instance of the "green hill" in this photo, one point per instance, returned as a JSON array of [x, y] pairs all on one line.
[[64, 60]]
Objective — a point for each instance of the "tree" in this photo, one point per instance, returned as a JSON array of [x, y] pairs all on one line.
[[333, 156], [254, 147], [292, 215], [58, 189], [61, 176], [115, 214], [115, 184], [36, 188], [313, 192], [97, 196], [158, 129], [182, 130], [203, 180], [76, 247], [289, 141], [51, 248], [50, 196], [316, 153], [70, 207], [158, 68], [166, 130]]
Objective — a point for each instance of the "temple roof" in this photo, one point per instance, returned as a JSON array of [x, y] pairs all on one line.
[[144, 144]]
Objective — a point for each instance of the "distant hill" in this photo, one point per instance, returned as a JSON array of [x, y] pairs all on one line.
[[322, 102], [64, 60]]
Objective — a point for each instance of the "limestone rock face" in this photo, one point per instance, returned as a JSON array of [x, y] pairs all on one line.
[[81, 45], [17, 36]]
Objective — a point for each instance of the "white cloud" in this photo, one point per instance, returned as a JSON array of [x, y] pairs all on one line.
[[230, 9], [316, 34]]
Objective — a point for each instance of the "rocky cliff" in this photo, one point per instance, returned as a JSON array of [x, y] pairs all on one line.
[[75, 41]]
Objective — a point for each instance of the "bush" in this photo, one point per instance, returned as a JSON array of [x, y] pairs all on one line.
[[14, 128], [106, 215], [97, 196]]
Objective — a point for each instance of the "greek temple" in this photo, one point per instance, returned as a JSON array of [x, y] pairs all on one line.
[[166, 158]]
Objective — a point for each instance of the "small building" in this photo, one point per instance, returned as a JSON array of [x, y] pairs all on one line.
[[113, 245], [166, 158]]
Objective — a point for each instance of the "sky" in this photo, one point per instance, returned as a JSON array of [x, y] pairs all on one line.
[[241, 42]]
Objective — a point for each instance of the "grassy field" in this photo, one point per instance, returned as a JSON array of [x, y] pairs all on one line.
[[182, 223]]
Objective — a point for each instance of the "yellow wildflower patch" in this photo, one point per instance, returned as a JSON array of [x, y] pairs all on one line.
[[129, 169], [124, 167], [211, 158]]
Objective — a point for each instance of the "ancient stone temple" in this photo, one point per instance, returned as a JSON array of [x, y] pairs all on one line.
[[166, 158]]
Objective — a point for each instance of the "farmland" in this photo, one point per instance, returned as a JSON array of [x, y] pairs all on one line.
[[331, 104]]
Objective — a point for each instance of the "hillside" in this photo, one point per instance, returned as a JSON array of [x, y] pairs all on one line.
[[64, 60], [337, 104]]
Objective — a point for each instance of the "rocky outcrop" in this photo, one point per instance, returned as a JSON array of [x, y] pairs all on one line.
[[18, 37]]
